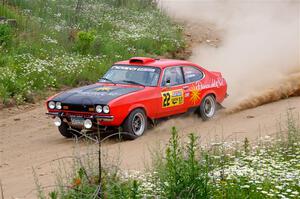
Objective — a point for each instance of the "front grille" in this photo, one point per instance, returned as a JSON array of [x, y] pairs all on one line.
[[77, 107]]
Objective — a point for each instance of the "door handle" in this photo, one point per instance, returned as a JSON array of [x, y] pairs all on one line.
[[186, 87]]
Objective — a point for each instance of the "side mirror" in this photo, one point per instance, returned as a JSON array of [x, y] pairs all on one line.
[[168, 83]]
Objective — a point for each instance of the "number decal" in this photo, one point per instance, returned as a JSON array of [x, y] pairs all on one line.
[[166, 99], [172, 98]]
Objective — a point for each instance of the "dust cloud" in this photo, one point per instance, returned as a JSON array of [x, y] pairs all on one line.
[[256, 45]]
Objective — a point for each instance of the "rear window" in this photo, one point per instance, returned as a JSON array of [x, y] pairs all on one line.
[[192, 74]]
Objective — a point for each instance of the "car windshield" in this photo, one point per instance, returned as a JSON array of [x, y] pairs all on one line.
[[139, 75]]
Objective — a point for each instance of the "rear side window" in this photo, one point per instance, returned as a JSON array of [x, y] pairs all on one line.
[[191, 74]]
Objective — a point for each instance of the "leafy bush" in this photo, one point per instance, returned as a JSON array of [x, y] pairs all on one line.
[[84, 41], [6, 35], [84, 182], [181, 175]]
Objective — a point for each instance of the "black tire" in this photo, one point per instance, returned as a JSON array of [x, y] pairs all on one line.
[[135, 124], [64, 130], [208, 107]]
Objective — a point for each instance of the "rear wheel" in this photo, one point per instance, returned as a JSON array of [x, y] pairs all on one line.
[[208, 107], [135, 124], [65, 131]]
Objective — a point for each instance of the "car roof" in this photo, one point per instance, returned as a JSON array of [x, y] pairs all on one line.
[[159, 63]]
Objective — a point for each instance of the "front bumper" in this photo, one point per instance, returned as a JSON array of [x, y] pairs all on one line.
[[95, 118], [104, 118]]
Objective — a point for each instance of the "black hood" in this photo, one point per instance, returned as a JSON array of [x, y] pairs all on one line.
[[94, 94]]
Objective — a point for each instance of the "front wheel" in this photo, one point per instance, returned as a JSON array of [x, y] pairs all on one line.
[[208, 107], [135, 124], [65, 131]]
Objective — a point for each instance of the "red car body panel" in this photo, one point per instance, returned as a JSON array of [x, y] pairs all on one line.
[[157, 101]]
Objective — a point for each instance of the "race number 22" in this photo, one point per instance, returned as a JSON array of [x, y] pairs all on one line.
[[166, 99], [172, 98]]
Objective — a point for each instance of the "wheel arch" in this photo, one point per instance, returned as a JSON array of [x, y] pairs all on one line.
[[137, 106], [209, 92], [212, 94], [134, 107]]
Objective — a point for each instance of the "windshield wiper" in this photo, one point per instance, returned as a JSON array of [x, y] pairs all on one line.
[[133, 82], [106, 79]]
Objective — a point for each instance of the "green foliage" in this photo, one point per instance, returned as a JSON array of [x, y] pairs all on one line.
[[182, 175], [118, 188], [84, 41], [53, 195], [26, 74], [6, 35], [55, 38], [10, 13], [112, 186], [137, 4]]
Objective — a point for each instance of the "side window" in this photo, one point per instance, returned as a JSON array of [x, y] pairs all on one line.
[[191, 74], [173, 74]]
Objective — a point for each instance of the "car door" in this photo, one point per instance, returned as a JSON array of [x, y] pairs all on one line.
[[172, 93], [192, 93]]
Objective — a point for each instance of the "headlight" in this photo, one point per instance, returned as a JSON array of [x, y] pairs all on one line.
[[51, 105], [105, 109], [99, 109], [88, 123], [57, 121], [58, 105]]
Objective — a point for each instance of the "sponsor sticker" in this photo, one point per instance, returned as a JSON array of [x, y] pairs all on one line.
[[103, 89], [172, 98], [133, 68], [213, 84], [195, 95]]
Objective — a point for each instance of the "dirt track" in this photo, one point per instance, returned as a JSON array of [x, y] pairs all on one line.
[[29, 139]]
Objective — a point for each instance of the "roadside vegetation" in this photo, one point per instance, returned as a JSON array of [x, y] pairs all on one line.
[[266, 168], [46, 44]]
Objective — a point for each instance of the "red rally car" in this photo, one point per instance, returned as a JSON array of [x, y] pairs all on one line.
[[136, 92]]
